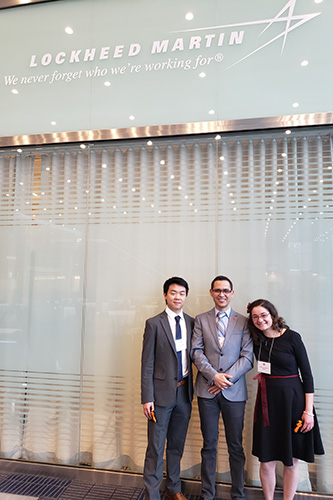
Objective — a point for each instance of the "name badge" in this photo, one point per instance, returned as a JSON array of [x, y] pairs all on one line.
[[264, 367], [180, 344]]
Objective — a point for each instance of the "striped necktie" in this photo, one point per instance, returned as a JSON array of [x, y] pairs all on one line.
[[221, 327]]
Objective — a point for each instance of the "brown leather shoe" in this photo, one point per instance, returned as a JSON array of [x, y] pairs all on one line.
[[175, 496]]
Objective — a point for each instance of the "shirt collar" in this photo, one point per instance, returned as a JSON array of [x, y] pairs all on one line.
[[227, 312], [172, 314]]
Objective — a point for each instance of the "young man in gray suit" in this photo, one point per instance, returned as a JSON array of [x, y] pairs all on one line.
[[167, 390], [222, 351]]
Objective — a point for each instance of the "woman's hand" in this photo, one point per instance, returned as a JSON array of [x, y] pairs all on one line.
[[308, 422]]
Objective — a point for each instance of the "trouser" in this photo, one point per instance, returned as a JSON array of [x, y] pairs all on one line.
[[172, 425], [233, 419]]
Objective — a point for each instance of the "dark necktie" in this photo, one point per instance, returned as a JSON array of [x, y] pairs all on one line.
[[179, 353]]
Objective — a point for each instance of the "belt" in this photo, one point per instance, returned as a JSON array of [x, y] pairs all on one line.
[[261, 377], [182, 382]]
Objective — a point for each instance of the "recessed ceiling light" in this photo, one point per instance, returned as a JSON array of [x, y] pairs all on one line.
[[53, 123], [189, 16], [69, 30], [295, 105], [15, 91], [107, 84], [131, 117], [304, 63], [211, 112], [202, 74]]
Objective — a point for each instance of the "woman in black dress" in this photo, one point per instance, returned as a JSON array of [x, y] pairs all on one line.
[[285, 425]]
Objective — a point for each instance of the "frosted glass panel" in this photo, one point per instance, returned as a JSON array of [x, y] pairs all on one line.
[[88, 236]]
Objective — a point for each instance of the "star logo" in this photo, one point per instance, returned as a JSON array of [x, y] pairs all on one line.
[[286, 17]]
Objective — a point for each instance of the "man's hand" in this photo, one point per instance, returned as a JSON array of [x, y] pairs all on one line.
[[147, 407], [221, 380], [213, 389]]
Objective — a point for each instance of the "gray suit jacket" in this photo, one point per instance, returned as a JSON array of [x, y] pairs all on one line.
[[235, 358], [159, 366]]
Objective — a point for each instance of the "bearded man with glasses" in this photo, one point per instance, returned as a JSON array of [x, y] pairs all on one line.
[[222, 351]]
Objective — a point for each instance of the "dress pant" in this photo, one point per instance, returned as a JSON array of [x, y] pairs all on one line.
[[172, 424], [233, 419]]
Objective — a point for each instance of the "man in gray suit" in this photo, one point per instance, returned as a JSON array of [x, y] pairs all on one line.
[[222, 351], [167, 390]]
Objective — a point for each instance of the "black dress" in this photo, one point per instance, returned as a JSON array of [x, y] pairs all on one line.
[[285, 402]]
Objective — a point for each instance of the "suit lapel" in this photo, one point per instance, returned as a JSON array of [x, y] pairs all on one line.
[[231, 325], [188, 332], [212, 325], [230, 328], [166, 327]]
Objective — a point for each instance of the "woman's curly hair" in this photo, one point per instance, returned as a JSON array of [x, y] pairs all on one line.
[[278, 323]]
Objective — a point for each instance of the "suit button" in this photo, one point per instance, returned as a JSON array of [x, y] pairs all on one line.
[[221, 354], [220, 369]]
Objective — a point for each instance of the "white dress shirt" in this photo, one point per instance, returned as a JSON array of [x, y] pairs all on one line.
[[172, 322]]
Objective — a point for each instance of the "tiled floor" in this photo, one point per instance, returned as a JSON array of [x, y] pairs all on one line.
[[8, 496], [41, 487]]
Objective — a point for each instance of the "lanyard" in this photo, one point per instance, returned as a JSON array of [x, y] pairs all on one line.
[[270, 350]]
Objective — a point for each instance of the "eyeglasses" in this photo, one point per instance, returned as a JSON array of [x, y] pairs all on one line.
[[261, 316], [225, 291]]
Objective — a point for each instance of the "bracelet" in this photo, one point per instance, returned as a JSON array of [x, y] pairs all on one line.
[[308, 413]]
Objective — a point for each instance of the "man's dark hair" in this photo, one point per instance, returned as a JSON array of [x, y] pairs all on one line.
[[175, 281], [221, 278]]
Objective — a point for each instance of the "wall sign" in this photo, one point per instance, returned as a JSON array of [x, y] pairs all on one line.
[[94, 65]]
